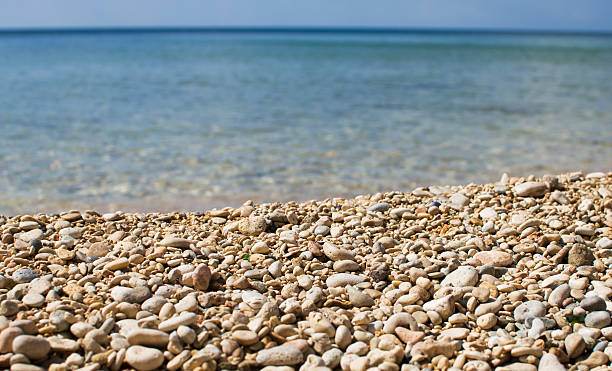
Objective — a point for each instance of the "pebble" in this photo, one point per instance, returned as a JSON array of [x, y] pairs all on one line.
[[529, 309], [343, 279], [474, 277], [147, 337], [596, 359], [252, 225], [463, 276], [494, 258], [6, 338], [530, 189], [358, 298], [9, 307], [33, 347], [143, 358], [33, 300], [336, 254], [245, 337], [24, 275], [459, 200], [604, 243], [574, 345], [558, 295], [580, 255], [60, 344], [593, 303], [487, 321], [172, 241], [184, 319], [550, 362], [598, 319], [34, 234], [130, 295], [379, 207], [282, 355], [117, 264]]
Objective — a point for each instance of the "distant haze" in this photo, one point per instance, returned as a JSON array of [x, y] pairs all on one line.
[[587, 15]]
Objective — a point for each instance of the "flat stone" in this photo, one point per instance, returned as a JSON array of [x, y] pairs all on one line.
[[321, 230], [26, 367], [33, 347], [518, 366], [154, 304], [555, 280], [430, 349], [255, 274], [487, 321], [343, 336], [530, 189], [143, 358], [65, 254], [560, 197], [187, 304], [595, 175], [281, 355], [111, 217]]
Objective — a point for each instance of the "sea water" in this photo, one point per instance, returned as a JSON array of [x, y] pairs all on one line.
[[163, 120]]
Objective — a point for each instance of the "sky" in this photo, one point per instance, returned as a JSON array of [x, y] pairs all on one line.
[[585, 15]]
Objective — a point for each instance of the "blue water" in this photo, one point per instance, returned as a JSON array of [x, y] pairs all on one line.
[[189, 120]]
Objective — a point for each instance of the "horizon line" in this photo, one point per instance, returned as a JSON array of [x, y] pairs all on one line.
[[293, 29]]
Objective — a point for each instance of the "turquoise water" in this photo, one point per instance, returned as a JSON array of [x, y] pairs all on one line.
[[190, 120]]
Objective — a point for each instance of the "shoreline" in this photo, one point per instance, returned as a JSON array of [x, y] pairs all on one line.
[[513, 275], [170, 202]]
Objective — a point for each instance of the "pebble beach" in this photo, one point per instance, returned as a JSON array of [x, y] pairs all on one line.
[[509, 276]]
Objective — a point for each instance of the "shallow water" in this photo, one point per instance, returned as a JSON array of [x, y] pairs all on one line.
[[161, 121]]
